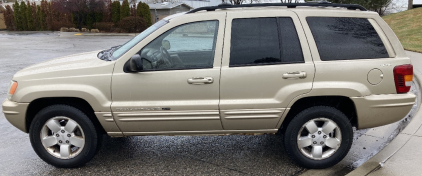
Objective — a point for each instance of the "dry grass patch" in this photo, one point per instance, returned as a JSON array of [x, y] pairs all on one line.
[[408, 27]]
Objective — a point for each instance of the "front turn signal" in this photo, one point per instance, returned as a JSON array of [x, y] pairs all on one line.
[[13, 88]]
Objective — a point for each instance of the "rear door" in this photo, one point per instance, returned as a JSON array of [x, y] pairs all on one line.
[[266, 63]]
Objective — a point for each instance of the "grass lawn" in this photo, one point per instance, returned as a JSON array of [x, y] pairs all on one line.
[[408, 27]]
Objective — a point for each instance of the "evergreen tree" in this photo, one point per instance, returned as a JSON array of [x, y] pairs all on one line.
[[22, 14], [29, 18], [17, 16], [115, 9], [124, 10], [144, 12], [40, 19], [34, 16]]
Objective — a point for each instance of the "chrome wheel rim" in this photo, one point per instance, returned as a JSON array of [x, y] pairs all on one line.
[[62, 137], [319, 138]]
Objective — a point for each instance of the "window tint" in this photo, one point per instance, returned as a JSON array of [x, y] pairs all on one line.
[[258, 41], [291, 51], [189, 46], [346, 38]]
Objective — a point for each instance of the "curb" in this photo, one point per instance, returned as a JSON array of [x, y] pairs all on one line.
[[377, 161]]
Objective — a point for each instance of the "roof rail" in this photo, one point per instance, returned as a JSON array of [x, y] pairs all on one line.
[[288, 5]]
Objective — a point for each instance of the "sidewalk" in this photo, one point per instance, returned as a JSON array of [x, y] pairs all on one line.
[[403, 156]]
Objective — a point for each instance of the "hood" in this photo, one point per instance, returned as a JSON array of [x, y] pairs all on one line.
[[73, 65]]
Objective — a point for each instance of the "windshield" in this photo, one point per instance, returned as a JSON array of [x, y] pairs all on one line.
[[128, 45]]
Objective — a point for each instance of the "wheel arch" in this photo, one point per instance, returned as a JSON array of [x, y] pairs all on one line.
[[38, 104], [342, 103]]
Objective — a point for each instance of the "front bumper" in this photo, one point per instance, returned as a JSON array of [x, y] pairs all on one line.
[[378, 110], [15, 113]]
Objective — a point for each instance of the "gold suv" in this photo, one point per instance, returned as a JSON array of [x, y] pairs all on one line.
[[308, 71]]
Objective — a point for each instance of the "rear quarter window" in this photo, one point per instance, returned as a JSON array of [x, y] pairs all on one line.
[[340, 38]]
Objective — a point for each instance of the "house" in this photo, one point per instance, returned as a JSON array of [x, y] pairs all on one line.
[[162, 10], [417, 5]]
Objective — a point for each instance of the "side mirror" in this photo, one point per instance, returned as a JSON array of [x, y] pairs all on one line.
[[134, 64], [166, 44]]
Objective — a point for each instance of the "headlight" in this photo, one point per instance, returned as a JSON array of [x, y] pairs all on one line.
[[12, 88]]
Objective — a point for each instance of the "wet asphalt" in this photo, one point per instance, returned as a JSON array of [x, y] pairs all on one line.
[[144, 155]]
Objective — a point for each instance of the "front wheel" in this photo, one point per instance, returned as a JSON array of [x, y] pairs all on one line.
[[318, 137], [64, 136]]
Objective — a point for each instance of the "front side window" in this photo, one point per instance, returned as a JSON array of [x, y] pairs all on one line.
[[340, 38], [128, 45], [264, 41], [188, 46]]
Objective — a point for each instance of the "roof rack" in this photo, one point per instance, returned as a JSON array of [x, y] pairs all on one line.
[[288, 5]]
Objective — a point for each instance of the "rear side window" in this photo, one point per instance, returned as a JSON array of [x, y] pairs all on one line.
[[339, 38], [264, 41]]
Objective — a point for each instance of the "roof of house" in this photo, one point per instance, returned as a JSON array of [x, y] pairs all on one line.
[[167, 5]]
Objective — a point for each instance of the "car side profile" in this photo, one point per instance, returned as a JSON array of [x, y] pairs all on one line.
[[308, 71]]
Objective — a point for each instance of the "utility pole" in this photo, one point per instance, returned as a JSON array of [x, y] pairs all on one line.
[[155, 14]]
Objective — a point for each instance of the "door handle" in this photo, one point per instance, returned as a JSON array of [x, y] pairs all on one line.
[[294, 75], [201, 80]]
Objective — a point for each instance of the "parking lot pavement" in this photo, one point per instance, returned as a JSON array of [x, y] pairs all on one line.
[[146, 155]]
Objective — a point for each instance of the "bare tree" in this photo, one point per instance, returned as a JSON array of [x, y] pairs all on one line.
[[396, 6], [410, 5]]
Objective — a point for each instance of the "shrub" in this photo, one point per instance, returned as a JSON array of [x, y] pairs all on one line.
[[132, 24], [104, 26]]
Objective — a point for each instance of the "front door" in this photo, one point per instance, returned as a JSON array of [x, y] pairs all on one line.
[[266, 64], [178, 91]]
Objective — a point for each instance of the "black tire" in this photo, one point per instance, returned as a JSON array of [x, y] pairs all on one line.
[[293, 128], [93, 137]]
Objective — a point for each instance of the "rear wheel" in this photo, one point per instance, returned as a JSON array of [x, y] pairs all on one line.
[[318, 137], [64, 136]]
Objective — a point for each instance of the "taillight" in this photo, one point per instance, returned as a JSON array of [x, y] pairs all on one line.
[[403, 76]]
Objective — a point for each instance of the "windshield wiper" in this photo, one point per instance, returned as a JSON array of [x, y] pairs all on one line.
[[107, 54]]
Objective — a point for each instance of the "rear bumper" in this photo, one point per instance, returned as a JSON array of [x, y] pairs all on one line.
[[15, 113], [378, 110]]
